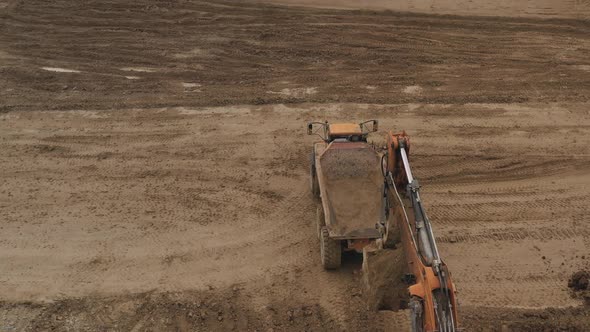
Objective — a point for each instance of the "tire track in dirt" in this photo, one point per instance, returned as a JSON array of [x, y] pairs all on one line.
[[452, 169], [516, 234]]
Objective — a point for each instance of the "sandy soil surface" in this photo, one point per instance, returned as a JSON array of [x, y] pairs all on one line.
[[154, 162]]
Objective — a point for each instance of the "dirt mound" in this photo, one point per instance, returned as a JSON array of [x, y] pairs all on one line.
[[579, 281], [383, 271]]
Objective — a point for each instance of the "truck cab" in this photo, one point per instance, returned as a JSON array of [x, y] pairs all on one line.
[[352, 132]]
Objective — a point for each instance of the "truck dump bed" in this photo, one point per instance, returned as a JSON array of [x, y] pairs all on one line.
[[351, 183]]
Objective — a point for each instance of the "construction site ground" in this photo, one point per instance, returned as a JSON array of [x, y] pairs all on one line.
[[154, 162]]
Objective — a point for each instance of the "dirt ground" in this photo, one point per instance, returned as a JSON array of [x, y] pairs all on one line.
[[578, 9], [154, 162]]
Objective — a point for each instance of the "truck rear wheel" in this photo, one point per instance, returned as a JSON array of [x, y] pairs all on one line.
[[330, 251]]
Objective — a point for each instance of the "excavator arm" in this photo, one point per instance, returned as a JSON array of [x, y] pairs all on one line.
[[432, 302]]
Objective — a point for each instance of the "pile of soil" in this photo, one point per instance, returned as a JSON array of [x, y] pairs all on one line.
[[383, 271], [353, 186], [579, 282], [340, 164]]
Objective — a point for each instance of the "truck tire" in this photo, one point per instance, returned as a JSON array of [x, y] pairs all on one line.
[[320, 220], [330, 251], [313, 177]]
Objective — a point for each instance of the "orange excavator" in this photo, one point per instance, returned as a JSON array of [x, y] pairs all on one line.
[[432, 304], [359, 207]]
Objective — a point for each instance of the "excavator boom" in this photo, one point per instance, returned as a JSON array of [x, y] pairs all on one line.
[[432, 292]]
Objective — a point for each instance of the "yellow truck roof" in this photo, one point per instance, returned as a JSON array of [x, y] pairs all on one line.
[[345, 129]]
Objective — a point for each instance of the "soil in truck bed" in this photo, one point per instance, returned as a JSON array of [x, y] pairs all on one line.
[[353, 187]]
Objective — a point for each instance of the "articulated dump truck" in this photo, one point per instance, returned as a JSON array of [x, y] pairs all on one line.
[[368, 196]]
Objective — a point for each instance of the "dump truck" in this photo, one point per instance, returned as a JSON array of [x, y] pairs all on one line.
[[369, 196], [346, 179]]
